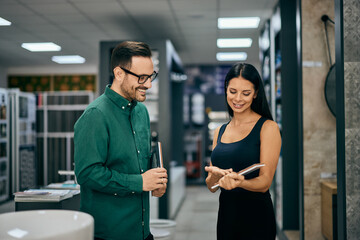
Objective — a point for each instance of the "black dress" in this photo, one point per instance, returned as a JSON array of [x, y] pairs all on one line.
[[243, 214]]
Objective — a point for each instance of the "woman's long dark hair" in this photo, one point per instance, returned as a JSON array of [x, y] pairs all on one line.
[[249, 72]]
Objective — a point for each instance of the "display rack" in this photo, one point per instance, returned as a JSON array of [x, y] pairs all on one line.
[[22, 135], [264, 46], [192, 154], [277, 113], [270, 57], [194, 138], [57, 113], [4, 146]]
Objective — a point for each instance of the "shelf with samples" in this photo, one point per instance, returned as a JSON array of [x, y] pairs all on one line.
[[57, 113], [265, 61], [22, 139], [270, 58], [194, 137], [4, 146]]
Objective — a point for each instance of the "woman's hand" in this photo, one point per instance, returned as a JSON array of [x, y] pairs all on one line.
[[231, 181], [217, 173]]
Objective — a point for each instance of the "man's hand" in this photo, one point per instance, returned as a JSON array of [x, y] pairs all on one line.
[[160, 191], [154, 179]]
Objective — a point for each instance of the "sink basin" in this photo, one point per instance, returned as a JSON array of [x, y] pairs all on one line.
[[47, 225]]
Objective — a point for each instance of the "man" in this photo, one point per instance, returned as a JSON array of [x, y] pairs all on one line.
[[113, 150]]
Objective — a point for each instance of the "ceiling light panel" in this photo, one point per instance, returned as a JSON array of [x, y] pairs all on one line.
[[68, 59], [231, 56], [234, 42], [4, 22], [238, 22], [41, 47]]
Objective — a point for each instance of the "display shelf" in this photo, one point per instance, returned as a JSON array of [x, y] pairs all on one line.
[[192, 154], [4, 146], [57, 113], [270, 56], [265, 60], [22, 135]]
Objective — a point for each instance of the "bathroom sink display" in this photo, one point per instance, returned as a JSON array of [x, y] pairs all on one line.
[[47, 224]]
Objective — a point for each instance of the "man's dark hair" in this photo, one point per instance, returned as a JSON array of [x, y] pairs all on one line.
[[249, 72], [123, 53]]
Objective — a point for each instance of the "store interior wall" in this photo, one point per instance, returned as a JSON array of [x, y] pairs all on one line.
[[351, 16], [318, 122]]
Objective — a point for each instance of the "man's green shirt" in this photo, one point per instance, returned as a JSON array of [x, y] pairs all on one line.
[[112, 150]]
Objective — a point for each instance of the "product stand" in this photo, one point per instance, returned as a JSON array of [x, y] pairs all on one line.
[[72, 203]]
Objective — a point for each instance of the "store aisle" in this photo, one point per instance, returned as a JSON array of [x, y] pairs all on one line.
[[198, 215]]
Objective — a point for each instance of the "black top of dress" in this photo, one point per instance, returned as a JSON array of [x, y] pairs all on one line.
[[240, 154]]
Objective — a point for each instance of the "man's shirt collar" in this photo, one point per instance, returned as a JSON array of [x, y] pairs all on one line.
[[119, 100]]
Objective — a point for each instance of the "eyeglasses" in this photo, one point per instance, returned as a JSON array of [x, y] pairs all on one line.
[[142, 78]]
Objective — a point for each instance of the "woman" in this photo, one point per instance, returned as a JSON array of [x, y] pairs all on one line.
[[251, 136]]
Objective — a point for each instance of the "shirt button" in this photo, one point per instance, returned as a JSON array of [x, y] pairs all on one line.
[[134, 132], [115, 194], [123, 107], [129, 104], [132, 192], [138, 151], [142, 170], [142, 223], [143, 209]]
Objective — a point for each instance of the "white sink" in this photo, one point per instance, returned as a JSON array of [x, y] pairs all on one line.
[[47, 224]]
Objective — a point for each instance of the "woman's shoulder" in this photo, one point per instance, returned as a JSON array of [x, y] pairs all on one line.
[[217, 130], [269, 126]]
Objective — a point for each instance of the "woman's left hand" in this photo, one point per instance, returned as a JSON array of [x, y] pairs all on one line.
[[231, 181]]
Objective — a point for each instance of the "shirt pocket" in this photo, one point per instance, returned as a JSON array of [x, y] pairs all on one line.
[[143, 137]]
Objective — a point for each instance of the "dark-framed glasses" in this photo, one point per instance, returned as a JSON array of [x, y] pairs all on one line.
[[142, 78]]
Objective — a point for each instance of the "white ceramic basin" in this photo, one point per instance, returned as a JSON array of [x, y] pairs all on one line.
[[47, 224]]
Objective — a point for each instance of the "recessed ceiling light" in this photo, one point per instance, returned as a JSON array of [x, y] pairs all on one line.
[[68, 59], [41, 47], [234, 42], [231, 56], [238, 22], [4, 22]]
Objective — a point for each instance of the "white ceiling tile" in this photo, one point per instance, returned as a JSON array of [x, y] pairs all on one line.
[[149, 8], [79, 25], [9, 10]]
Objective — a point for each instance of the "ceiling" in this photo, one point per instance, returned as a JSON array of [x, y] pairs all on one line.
[[79, 25]]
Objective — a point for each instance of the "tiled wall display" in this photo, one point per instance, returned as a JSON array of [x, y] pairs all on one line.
[[351, 16], [74, 83], [30, 83], [319, 134], [53, 83]]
